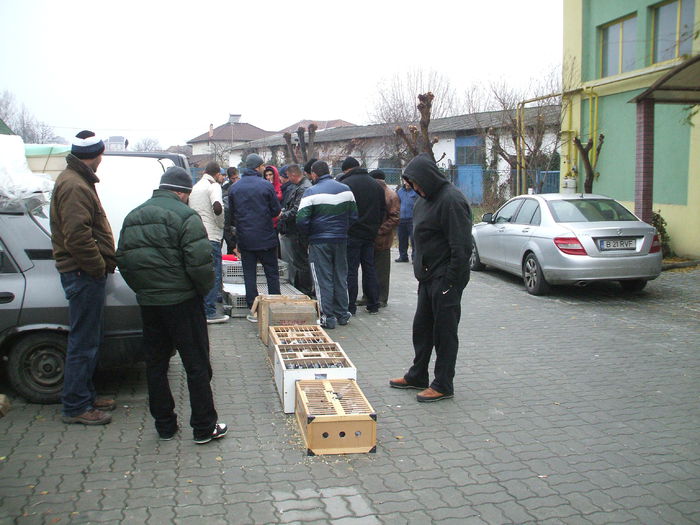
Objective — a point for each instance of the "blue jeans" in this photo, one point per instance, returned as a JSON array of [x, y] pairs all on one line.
[[361, 252], [249, 263], [329, 269], [213, 296], [86, 301]]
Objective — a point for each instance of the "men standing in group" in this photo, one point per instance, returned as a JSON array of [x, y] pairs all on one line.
[[294, 248], [83, 248], [385, 237], [229, 229], [370, 209], [442, 221], [165, 257], [326, 212], [408, 199], [253, 205], [207, 200]]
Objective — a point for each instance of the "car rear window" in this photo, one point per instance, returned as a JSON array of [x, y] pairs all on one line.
[[589, 210]]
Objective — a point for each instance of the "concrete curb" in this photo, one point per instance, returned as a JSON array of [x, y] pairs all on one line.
[[686, 264]]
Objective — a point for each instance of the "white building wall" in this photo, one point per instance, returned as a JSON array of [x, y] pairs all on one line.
[[446, 145]]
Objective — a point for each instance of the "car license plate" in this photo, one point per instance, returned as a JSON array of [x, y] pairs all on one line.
[[617, 244]]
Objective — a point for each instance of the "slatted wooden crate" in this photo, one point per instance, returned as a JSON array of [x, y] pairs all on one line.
[[298, 335], [335, 417], [304, 366], [312, 350]]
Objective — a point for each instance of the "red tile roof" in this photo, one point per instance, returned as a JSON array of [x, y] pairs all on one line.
[[237, 132]]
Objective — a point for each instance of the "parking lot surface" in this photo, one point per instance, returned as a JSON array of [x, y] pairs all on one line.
[[581, 407]]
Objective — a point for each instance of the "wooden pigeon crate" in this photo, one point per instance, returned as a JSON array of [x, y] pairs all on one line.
[[304, 351], [298, 335], [305, 364], [335, 417]]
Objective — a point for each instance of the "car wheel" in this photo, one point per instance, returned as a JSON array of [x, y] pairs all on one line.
[[475, 263], [535, 283], [635, 285], [35, 367]]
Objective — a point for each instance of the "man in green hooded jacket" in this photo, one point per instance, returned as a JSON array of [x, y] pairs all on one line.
[[165, 257]]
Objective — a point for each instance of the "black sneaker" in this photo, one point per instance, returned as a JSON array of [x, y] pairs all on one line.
[[219, 431], [167, 436]]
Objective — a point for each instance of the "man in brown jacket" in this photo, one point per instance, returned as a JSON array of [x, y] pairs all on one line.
[[83, 248], [385, 237]]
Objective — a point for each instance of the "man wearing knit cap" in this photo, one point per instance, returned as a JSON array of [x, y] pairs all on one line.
[[253, 205], [83, 248], [371, 209], [164, 255]]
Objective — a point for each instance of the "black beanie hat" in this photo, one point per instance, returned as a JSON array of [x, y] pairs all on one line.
[[348, 163], [307, 166], [320, 168], [87, 146], [377, 174], [176, 179]]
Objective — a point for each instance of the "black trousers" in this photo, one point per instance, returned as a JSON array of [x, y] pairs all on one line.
[[182, 326], [435, 326], [361, 253], [249, 263], [300, 260]]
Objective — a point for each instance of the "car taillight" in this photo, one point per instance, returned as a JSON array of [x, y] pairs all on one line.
[[655, 245], [570, 245]]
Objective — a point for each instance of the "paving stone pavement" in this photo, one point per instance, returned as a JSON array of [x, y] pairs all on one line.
[[582, 407]]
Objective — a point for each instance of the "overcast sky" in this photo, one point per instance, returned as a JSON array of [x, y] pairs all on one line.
[[167, 69]]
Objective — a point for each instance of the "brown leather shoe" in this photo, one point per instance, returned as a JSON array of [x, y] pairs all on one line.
[[401, 382], [104, 404], [91, 417], [429, 396]]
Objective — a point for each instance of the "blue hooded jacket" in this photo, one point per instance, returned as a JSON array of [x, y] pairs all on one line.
[[253, 204]]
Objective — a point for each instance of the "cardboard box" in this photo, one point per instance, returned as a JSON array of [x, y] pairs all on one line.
[[335, 417], [300, 310]]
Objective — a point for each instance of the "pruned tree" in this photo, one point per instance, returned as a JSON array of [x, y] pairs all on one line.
[[589, 157], [418, 139], [302, 143], [148, 144], [311, 146], [23, 123], [290, 153]]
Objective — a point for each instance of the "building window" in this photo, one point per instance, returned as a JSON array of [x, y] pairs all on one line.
[[673, 29], [618, 45], [470, 155]]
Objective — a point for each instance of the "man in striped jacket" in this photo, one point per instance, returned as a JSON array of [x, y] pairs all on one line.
[[326, 212]]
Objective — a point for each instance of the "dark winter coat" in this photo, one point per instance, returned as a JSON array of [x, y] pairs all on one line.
[[371, 207], [442, 225], [287, 224], [164, 254], [80, 233], [254, 203]]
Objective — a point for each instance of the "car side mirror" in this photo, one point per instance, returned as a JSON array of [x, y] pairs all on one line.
[[487, 217]]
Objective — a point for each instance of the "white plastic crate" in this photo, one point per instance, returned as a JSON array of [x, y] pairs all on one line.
[[286, 375], [232, 271]]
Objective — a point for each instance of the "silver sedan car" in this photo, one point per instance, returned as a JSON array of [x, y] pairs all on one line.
[[567, 239]]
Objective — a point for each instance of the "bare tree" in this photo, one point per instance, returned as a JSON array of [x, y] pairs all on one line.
[[418, 140], [148, 144], [23, 123], [395, 101]]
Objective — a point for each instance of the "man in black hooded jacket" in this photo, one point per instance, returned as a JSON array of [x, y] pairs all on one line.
[[442, 222]]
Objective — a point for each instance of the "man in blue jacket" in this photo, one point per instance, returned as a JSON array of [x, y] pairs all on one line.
[[253, 205], [408, 199], [326, 212]]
